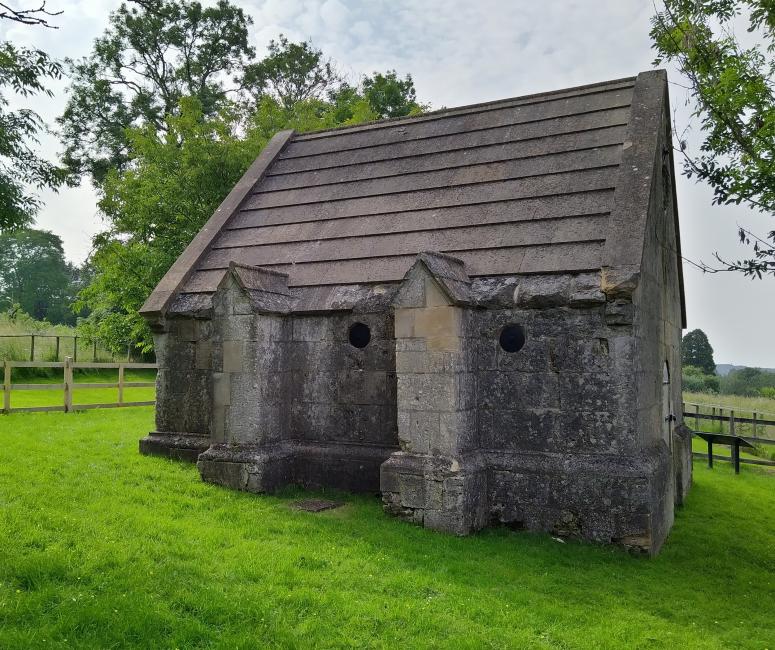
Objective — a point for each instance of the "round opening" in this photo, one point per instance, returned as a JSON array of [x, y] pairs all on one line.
[[360, 335], [512, 338]]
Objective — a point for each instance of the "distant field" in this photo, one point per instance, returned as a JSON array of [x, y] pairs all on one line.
[[745, 405], [742, 406], [15, 342]]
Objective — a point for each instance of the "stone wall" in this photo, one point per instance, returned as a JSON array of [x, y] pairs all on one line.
[[294, 402], [544, 438], [658, 325], [183, 391], [564, 435]]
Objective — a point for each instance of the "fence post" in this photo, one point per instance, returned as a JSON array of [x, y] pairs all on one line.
[[6, 386], [75, 348], [120, 384], [68, 384], [57, 355], [94, 350], [32, 347], [731, 423], [753, 424], [697, 417]]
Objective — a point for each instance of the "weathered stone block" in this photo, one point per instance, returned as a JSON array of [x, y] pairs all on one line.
[[427, 392], [416, 429], [232, 356], [203, 355], [221, 389]]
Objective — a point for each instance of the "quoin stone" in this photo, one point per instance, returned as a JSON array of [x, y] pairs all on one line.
[[475, 312]]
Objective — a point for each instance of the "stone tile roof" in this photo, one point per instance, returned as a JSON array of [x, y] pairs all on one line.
[[523, 185]]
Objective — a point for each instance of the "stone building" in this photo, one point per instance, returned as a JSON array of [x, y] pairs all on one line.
[[476, 312]]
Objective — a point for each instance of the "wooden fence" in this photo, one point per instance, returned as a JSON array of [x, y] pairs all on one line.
[[723, 414], [34, 340], [68, 385]]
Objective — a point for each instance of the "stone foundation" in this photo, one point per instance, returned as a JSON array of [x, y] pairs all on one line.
[[178, 446], [269, 469]]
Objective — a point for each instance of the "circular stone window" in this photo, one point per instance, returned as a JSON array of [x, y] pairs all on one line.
[[512, 338], [360, 335]]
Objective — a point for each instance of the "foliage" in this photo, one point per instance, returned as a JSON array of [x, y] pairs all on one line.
[[390, 96], [35, 277], [23, 72], [731, 87], [747, 381], [768, 392], [697, 380], [154, 209], [697, 351], [291, 72], [174, 175], [156, 52], [216, 568], [149, 58]]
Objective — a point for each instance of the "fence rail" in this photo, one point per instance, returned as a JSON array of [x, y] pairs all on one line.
[[69, 385], [723, 414], [59, 348]]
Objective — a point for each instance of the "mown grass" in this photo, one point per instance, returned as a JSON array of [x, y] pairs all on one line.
[[104, 548]]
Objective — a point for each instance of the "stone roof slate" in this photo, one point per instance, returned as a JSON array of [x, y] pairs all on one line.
[[518, 186]]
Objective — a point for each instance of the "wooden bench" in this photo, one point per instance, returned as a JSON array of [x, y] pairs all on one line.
[[735, 442]]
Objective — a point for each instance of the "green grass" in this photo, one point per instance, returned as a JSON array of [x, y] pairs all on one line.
[[104, 548]]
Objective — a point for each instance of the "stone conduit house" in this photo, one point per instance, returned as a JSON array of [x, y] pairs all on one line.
[[476, 312]]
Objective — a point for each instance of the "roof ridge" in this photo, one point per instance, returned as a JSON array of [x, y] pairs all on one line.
[[451, 111]]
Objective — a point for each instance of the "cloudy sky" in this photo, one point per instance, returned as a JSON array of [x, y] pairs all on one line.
[[461, 52]]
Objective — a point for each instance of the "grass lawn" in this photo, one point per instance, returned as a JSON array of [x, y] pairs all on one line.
[[104, 548]]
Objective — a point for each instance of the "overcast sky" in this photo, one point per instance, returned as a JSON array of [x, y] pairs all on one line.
[[461, 52]]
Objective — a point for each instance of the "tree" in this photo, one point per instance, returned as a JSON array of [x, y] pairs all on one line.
[[35, 275], [150, 57], [390, 96], [291, 73], [35, 16], [23, 72], [161, 168], [731, 87], [747, 381], [696, 380], [155, 207], [696, 351], [157, 204]]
